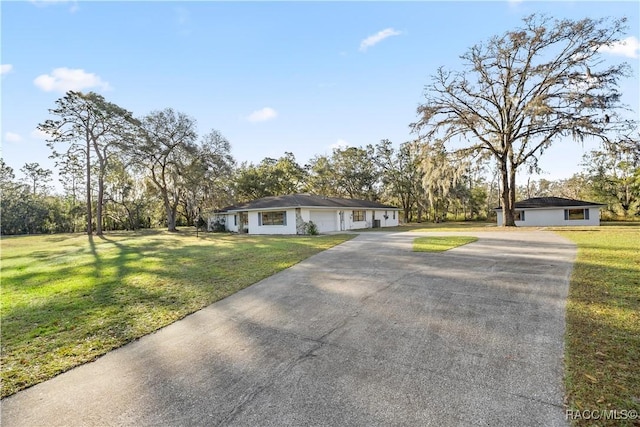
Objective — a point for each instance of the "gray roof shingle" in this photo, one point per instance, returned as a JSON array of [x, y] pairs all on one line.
[[305, 200], [552, 202]]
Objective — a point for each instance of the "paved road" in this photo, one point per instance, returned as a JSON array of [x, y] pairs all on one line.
[[364, 334]]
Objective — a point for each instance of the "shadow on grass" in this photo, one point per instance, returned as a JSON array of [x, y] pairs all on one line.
[[125, 287], [603, 323]]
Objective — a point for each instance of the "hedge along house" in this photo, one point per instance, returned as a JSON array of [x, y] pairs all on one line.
[[554, 211], [291, 214]]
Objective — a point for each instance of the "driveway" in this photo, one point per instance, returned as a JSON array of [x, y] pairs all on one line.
[[367, 333]]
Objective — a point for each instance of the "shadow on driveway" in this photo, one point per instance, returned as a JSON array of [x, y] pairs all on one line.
[[365, 333]]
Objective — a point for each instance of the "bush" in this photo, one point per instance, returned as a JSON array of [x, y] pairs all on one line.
[[311, 228], [218, 227]]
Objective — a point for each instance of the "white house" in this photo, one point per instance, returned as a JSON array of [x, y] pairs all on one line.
[[554, 211], [290, 214]]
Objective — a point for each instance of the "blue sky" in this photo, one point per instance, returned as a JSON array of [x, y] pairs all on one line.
[[272, 77]]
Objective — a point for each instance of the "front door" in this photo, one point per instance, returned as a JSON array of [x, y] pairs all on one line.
[[244, 222]]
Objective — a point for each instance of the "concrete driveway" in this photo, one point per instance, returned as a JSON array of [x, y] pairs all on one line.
[[367, 333]]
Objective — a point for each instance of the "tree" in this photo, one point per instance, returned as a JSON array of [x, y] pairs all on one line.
[[24, 211], [614, 172], [71, 174], [441, 171], [321, 178], [93, 128], [208, 176], [165, 147], [6, 177], [400, 174], [356, 172], [271, 177], [36, 176], [524, 90]]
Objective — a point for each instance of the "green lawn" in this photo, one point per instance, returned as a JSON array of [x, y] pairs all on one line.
[[602, 342], [67, 299], [440, 244]]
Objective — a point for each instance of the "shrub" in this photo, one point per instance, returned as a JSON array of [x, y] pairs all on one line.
[[311, 228]]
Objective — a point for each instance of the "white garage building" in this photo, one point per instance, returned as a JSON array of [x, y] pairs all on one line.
[[290, 214], [554, 211]]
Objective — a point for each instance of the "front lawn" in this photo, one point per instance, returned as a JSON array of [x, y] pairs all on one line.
[[602, 341], [69, 298]]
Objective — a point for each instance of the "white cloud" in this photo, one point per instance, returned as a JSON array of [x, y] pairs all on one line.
[[38, 134], [65, 79], [43, 3], [5, 69], [377, 38], [628, 47], [262, 115], [340, 143], [12, 137]]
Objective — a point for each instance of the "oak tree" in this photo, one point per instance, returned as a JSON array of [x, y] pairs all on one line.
[[520, 92]]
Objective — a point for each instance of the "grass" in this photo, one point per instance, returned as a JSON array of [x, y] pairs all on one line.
[[440, 244], [67, 299], [602, 341]]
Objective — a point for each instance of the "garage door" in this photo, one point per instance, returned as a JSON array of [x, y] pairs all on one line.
[[325, 220]]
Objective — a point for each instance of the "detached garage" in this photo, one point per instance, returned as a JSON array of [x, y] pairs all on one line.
[[290, 214], [554, 211]]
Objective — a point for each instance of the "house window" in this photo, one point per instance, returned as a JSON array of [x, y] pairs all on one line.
[[394, 214], [235, 220], [273, 218], [576, 214], [519, 216], [359, 216]]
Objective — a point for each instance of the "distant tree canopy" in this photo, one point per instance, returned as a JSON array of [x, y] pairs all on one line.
[[516, 95], [520, 92], [614, 172]]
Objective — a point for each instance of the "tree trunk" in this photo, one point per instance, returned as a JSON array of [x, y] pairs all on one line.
[[89, 213], [512, 193], [171, 214], [171, 220], [99, 205], [508, 218]]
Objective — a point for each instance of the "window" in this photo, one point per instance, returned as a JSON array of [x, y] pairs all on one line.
[[394, 214], [273, 218], [359, 216], [519, 216], [576, 214], [235, 220]]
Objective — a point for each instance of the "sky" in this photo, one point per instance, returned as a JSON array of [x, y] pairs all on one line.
[[272, 77]]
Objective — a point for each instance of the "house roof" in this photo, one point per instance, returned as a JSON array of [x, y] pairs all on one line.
[[305, 200], [552, 202]]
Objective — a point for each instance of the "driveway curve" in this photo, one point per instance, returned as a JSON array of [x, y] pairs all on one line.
[[367, 333]]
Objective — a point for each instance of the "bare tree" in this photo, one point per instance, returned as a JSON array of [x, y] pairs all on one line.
[[524, 90]]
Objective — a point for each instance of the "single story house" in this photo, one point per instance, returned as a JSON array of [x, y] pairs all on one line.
[[554, 211], [290, 214]]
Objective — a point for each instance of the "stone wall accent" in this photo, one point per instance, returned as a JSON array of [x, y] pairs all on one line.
[[300, 224]]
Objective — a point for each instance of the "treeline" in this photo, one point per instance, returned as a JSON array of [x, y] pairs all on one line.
[[119, 172]]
